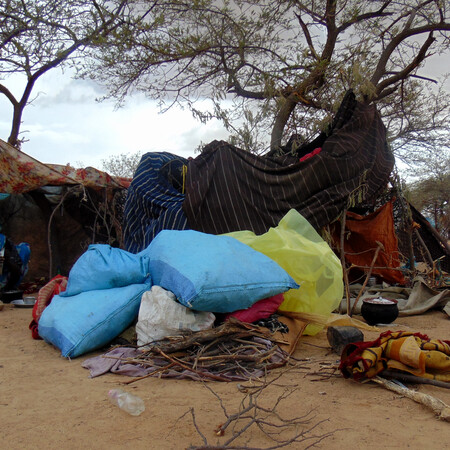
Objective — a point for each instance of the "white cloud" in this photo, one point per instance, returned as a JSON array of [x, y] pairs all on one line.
[[65, 124]]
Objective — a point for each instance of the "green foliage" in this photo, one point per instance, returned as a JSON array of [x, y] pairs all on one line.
[[289, 63], [430, 193], [39, 35]]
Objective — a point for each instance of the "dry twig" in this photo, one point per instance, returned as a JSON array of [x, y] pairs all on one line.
[[232, 348], [280, 431]]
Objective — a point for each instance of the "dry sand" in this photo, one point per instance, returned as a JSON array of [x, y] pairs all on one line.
[[50, 402]]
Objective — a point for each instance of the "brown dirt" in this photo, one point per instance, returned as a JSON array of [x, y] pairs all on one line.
[[49, 402]]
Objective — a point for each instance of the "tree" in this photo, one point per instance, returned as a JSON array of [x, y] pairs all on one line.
[[430, 194], [281, 63], [123, 165], [39, 35]]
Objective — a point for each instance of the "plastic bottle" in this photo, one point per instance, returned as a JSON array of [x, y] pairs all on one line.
[[130, 403]]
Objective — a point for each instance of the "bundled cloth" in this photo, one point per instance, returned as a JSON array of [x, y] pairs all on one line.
[[54, 287], [401, 351], [154, 200]]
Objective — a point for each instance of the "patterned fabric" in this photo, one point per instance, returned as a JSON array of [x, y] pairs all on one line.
[[154, 200], [404, 351], [20, 173], [54, 287], [229, 189]]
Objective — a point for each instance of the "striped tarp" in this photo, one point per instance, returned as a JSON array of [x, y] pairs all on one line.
[[153, 202], [229, 189]]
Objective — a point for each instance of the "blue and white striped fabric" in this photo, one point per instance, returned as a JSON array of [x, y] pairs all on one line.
[[153, 203]]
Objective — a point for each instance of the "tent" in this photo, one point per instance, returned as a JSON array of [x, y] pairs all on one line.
[[57, 209]]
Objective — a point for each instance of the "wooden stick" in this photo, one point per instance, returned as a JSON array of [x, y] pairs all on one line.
[[410, 378], [228, 328], [437, 406], [255, 357], [49, 232], [190, 369], [422, 243], [375, 256], [344, 267]]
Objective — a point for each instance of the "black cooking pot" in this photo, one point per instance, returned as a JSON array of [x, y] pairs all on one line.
[[9, 296], [379, 310]]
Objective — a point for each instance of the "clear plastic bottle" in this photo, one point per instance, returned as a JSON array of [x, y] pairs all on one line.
[[130, 403]]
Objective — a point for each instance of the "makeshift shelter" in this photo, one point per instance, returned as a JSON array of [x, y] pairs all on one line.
[[57, 209], [293, 195], [227, 189]]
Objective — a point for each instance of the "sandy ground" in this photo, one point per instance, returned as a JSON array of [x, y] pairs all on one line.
[[50, 402]]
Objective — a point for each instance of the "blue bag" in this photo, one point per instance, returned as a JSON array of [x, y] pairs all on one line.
[[213, 273], [89, 320], [105, 267]]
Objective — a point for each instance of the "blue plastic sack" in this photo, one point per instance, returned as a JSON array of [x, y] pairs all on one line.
[[213, 273], [89, 320], [106, 267]]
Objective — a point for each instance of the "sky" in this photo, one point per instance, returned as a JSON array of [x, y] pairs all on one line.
[[65, 124]]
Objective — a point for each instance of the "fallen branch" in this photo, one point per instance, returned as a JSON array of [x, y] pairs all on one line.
[[410, 378], [281, 431], [439, 408]]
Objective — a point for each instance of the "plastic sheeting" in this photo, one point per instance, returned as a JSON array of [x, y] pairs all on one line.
[[299, 249]]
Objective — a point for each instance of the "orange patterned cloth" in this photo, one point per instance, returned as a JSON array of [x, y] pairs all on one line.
[[409, 352], [55, 286], [21, 173], [362, 233]]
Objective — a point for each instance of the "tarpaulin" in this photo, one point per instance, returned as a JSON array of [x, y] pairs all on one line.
[[230, 189]]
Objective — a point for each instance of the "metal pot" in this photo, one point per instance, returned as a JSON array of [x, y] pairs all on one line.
[[9, 296], [379, 310]]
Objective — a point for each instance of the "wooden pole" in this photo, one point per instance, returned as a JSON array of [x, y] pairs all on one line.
[[344, 266], [369, 273]]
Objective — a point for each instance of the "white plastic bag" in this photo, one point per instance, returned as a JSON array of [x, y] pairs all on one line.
[[160, 315]]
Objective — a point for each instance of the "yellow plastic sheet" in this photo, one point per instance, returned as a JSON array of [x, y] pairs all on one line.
[[299, 249]]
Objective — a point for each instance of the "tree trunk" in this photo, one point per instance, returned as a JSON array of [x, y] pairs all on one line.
[[16, 122], [281, 121]]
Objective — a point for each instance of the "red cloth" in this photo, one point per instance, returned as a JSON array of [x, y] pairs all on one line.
[[262, 309], [55, 286], [316, 151]]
